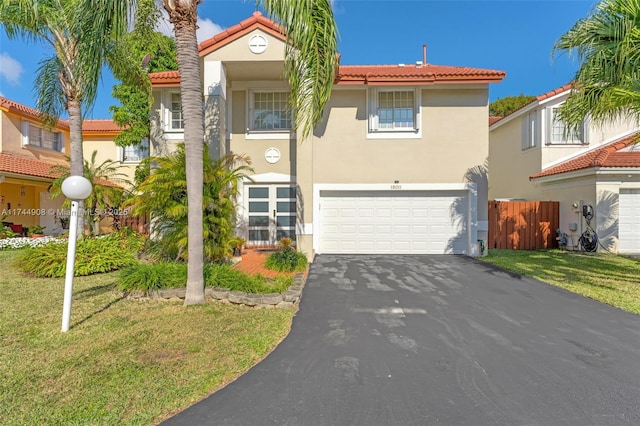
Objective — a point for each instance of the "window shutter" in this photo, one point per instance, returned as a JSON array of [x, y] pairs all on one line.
[[373, 110], [524, 124]]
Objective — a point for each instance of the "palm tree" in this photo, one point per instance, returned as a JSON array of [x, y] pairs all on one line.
[[81, 34], [107, 192], [311, 61], [607, 83], [163, 196]]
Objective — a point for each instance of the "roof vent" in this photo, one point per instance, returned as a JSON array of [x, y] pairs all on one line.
[[401, 65], [418, 64]]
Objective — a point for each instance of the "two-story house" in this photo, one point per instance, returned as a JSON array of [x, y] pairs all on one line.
[[386, 171], [595, 169], [28, 152]]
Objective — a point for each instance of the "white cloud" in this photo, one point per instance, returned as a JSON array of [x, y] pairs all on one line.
[[10, 69], [206, 27]]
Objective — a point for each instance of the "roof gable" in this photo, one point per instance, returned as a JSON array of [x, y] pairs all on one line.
[[398, 74], [539, 99], [256, 21]]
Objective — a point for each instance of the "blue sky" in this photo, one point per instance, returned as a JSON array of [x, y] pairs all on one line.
[[515, 36]]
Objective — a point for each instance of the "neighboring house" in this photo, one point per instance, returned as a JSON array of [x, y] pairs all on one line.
[[99, 135], [29, 150], [531, 158], [395, 166]]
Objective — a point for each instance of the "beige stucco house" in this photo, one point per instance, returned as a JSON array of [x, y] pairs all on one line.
[[531, 158], [390, 169], [29, 150]]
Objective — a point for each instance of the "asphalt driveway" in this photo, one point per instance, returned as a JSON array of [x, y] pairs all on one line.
[[437, 340]]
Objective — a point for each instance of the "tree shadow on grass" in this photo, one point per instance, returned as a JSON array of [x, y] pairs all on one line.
[[98, 311], [94, 291]]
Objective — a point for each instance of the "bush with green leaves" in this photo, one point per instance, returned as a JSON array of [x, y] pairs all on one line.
[[145, 277], [287, 259], [93, 256], [163, 196]]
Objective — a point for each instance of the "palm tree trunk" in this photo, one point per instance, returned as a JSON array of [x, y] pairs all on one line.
[[183, 15], [76, 154]]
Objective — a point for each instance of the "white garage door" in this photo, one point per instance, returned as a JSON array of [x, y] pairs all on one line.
[[408, 222], [629, 221]]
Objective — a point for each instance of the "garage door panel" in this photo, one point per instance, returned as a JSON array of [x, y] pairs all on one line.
[[407, 222], [629, 221]]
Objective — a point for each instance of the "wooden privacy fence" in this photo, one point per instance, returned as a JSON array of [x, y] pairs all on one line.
[[523, 225], [138, 224]]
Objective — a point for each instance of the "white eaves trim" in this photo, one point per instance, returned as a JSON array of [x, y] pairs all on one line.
[[591, 171]]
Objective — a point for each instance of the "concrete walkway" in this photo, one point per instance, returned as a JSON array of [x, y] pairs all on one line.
[[428, 340]]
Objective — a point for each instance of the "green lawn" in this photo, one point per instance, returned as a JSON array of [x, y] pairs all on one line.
[[123, 361], [609, 278]]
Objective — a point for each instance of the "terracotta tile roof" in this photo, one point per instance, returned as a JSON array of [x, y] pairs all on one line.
[[25, 111], [427, 73], [37, 168], [611, 155], [257, 20], [165, 79], [494, 119], [350, 74], [381, 74], [554, 92], [100, 126], [25, 166]]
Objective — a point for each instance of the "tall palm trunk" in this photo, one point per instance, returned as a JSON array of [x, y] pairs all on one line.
[[76, 154], [183, 15]]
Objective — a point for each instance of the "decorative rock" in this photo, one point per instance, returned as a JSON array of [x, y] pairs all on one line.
[[217, 293], [291, 296], [168, 293], [286, 299], [270, 299], [236, 297]]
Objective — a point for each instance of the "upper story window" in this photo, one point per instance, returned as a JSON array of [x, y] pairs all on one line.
[[270, 111], [35, 135], [529, 130], [135, 153], [393, 111], [177, 121], [557, 130]]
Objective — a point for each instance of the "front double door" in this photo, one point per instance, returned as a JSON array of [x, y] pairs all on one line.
[[272, 213]]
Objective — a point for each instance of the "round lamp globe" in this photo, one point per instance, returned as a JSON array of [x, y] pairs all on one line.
[[76, 187]]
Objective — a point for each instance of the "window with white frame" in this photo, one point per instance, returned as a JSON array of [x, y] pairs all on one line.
[[393, 110], [175, 112], [38, 136], [269, 111], [558, 133], [529, 130], [136, 153]]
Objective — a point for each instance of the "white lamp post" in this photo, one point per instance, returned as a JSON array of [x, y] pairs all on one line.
[[76, 188]]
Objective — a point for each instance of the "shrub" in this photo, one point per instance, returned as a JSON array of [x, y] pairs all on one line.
[[163, 195], [153, 276], [286, 260], [223, 276], [93, 256], [146, 277]]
